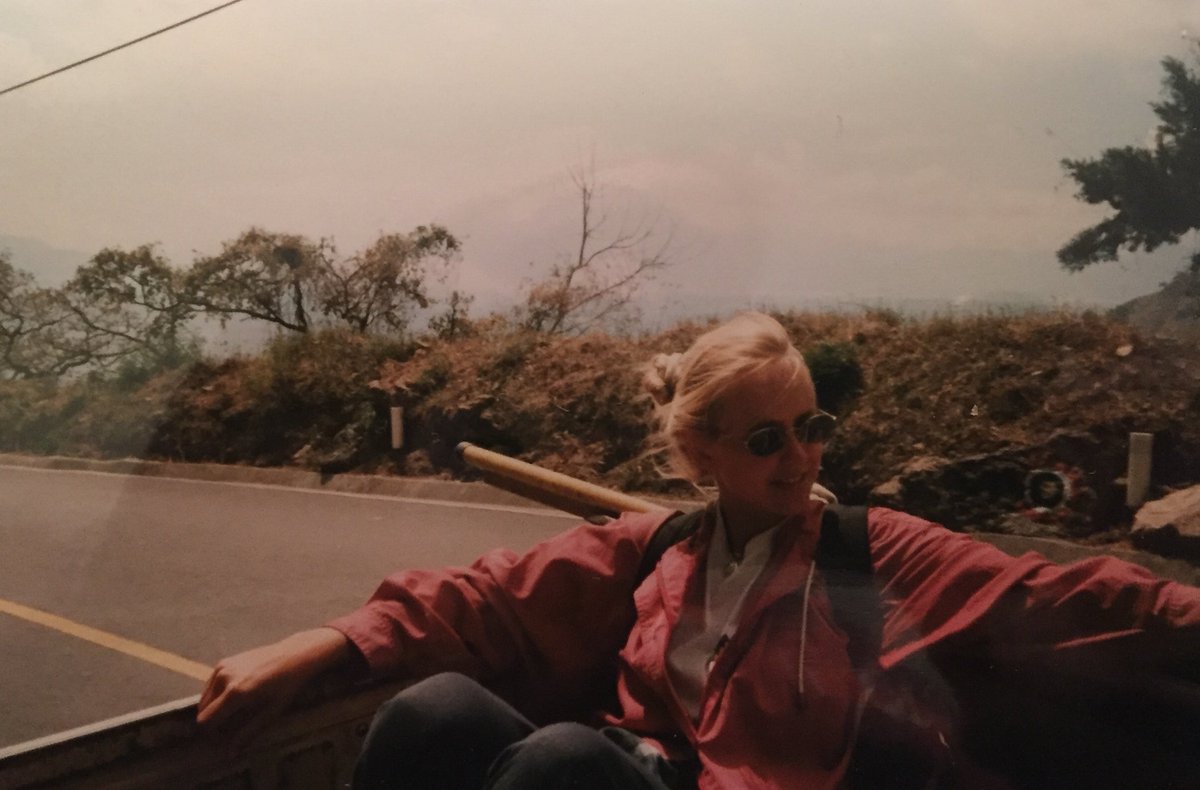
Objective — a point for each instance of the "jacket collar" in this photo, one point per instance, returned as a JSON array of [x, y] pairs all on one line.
[[791, 561]]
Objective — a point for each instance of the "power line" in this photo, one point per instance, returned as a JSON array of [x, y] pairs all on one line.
[[119, 47]]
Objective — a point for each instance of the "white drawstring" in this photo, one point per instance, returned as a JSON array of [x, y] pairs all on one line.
[[804, 625]]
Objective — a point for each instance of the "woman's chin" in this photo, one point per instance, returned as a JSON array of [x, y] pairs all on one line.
[[790, 497]]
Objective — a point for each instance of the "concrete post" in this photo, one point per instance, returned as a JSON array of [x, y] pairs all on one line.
[[1138, 476], [397, 427]]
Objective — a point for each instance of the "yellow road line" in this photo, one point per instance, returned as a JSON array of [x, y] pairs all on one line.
[[152, 655]]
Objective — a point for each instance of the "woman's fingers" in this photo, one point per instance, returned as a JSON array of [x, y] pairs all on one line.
[[238, 687], [217, 713], [213, 689], [247, 691]]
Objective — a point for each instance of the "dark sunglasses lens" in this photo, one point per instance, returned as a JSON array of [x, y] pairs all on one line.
[[816, 429], [765, 441]]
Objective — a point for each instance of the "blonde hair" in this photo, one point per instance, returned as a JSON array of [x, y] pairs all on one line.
[[687, 388]]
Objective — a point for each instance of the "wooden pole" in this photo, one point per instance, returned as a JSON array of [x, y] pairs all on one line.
[[551, 488]]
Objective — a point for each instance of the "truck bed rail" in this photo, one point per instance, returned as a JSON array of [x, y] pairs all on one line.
[[313, 748]]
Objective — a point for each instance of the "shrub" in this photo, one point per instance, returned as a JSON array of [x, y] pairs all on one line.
[[837, 374], [29, 416], [301, 392]]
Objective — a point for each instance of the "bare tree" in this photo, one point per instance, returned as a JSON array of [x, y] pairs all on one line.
[[453, 322], [597, 284]]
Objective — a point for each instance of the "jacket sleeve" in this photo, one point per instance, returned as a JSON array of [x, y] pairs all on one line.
[[942, 588], [551, 616]]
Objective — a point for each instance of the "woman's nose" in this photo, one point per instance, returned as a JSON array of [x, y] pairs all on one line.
[[796, 451], [793, 447]]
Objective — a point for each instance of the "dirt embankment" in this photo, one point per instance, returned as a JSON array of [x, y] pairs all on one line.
[[943, 416]]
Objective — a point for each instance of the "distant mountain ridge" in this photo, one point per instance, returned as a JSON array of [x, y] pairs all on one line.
[[49, 265], [1173, 311]]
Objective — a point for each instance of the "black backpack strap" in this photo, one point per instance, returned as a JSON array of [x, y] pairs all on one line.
[[844, 558], [844, 543], [678, 527], [844, 546]]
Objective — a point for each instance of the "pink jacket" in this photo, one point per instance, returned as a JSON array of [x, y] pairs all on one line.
[[558, 633]]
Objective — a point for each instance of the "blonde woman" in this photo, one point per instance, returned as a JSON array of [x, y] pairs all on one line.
[[727, 665]]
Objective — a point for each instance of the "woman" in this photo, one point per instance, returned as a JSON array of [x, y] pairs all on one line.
[[726, 666]]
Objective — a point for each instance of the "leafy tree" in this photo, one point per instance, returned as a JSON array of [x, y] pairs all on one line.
[[378, 287], [297, 284], [34, 334], [130, 304], [1154, 191], [119, 307], [265, 276], [597, 284]]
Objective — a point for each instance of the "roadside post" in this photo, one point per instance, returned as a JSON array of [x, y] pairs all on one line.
[[1138, 476], [397, 413]]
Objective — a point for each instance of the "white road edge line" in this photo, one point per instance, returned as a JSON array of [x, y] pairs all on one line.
[[531, 511]]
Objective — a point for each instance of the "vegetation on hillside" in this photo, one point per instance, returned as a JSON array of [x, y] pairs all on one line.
[[938, 388]]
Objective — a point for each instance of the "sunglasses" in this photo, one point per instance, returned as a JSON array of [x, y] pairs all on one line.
[[813, 428]]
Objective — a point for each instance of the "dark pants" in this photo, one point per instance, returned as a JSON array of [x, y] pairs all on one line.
[[448, 732]]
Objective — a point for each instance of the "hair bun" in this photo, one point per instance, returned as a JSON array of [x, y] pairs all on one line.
[[661, 377]]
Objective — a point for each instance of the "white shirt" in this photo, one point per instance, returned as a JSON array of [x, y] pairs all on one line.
[[700, 634]]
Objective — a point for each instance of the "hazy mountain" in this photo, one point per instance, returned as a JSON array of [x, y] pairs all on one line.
[[1173, 311], [49, 265]]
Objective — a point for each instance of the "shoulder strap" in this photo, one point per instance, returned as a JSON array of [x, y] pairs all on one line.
[[844, 557], [678, 527], [844, 545]]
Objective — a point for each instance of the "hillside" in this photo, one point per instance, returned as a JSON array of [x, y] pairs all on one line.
[[1172, 311], [951, 416]]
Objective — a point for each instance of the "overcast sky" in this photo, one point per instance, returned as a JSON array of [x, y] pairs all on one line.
[[828, 150]]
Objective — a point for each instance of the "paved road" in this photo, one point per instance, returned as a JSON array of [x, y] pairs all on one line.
[[198, 569]]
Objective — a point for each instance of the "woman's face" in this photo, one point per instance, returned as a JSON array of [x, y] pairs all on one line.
[[762, 487]]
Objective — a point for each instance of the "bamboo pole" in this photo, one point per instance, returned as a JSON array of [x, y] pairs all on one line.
[[555, 489]]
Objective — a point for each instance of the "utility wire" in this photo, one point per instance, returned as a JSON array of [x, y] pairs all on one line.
[[120, 46]]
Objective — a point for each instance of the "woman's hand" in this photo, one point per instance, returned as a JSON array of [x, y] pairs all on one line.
[[246, 692]]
